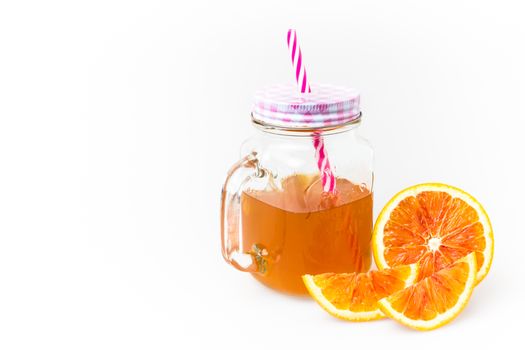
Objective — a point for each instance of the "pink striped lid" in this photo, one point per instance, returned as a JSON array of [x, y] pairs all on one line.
[[325, 106]]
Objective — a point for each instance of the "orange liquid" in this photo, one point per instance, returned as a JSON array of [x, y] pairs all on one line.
[[301, 230]]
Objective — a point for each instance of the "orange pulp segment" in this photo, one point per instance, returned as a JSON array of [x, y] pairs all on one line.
[[354, 296], [436, 299]]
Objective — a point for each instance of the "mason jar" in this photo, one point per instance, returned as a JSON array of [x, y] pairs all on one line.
[[299, 200]]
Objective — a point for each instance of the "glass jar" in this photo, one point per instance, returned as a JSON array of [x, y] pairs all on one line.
[[278, 220]]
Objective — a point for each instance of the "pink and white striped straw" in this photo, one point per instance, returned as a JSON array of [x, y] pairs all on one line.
[[327, 175], [297, 62]]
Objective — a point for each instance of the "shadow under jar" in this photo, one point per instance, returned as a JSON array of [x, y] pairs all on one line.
[[276, 221]]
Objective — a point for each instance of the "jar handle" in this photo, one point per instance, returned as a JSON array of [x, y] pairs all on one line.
[[240, 174]]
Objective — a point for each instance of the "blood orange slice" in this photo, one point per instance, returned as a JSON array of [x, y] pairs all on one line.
[[435, 300], [433, 225], [354, 296]]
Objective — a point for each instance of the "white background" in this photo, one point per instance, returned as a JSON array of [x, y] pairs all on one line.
[[119, 120]]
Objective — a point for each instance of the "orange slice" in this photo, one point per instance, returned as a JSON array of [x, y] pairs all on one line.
[[435, 300], [434, 225], [354, 296]]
